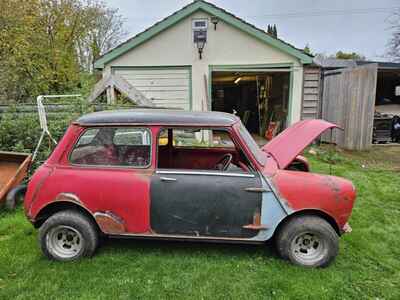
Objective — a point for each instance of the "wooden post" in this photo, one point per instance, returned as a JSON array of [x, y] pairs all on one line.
[[111, 98]]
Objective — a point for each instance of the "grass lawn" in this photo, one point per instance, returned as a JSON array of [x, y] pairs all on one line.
[[368, 265]]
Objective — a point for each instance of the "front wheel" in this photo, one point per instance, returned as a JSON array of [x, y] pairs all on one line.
[[308, 241], [68, 235]]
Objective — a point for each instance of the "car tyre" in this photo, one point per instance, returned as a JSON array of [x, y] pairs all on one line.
[[68, 235], [15, 196], [308, 241]]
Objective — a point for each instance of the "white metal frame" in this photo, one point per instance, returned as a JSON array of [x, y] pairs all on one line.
[[43, 119]]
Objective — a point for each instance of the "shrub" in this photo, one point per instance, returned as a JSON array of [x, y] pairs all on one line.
[[20, 132]]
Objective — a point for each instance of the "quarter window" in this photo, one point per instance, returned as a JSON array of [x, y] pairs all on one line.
[[113, 146]]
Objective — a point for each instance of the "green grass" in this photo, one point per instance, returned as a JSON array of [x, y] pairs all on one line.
[[368, 265]]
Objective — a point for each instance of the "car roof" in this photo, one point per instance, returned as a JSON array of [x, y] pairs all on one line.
[[157, 117]]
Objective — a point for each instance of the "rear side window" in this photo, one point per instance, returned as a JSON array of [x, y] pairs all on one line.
[[113, 146]]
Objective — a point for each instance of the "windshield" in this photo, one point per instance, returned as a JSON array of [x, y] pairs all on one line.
[[258, 154]]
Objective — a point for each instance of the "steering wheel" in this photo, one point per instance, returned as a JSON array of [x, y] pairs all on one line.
[[224, 162]]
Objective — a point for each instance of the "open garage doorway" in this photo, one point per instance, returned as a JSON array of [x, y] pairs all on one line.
[[260, 99]]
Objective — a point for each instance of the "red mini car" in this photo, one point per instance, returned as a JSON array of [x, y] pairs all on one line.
[[195, 176]]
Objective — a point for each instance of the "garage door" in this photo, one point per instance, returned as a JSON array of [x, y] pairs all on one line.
[[165, 87]]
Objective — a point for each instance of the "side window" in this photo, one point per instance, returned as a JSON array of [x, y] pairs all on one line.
[[131, 137], [200, 149], [202, 138], [88, 137], [113, 146]]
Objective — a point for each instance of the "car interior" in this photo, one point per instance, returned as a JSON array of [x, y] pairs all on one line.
[[200, 149], [113, 146]]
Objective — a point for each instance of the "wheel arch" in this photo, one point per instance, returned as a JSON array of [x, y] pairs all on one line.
[[309, 212], [58, 206]]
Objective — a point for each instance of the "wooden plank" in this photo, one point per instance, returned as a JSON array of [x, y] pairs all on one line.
[[166, 94], [311, 93], [311, 70], [349, 101], [157, 71], [311, 97], [309, 104], [164, 87], [309, 110], [314, 91], [311, 84], [181, 82], [311, 76]]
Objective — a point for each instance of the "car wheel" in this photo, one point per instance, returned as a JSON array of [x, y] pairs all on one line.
[[68, 235], [15, 196], [308, 241]]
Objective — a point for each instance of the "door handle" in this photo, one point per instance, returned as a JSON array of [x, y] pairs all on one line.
[[256, 190], [167, 179]]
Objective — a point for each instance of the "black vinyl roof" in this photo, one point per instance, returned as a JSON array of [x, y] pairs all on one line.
[[159, 117]]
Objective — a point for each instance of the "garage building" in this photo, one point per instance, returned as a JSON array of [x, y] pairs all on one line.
[[205, 58]]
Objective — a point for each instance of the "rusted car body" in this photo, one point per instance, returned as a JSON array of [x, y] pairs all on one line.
[[185, 175], [13, 169]]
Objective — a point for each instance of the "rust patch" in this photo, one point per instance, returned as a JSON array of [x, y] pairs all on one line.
[[68, 197], [109, 222], [256, 225], [334, 187]]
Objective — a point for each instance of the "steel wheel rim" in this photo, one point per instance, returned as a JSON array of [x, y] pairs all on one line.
[[64, 241], [308, 248]]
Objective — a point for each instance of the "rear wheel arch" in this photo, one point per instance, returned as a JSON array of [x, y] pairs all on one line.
[[58, 206], [309, 212]]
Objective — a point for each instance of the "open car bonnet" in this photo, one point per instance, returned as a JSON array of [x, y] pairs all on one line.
[[292, 141]]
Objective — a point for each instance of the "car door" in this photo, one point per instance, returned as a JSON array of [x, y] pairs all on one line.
[[109, 171], [205, 203]]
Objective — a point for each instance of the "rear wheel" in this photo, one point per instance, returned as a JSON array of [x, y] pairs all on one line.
[[308, 241], [68, 235]]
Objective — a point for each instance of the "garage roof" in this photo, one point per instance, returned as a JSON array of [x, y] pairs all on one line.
[[200, 5]]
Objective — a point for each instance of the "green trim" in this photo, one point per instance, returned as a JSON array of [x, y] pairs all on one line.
[[210, 70], [158, 67], [290, 104], [187, 11], [190, 89], [183, 67], [250, 67]]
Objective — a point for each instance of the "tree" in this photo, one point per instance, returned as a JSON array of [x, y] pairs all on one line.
[[46, 45], [349, 55], [394, 43], [106, 30]]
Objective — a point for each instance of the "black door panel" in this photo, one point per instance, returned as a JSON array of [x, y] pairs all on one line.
[[204, 205]]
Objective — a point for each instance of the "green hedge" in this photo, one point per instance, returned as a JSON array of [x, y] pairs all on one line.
[[20, 132]]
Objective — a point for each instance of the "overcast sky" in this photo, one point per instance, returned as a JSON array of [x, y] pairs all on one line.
[[327, 26]]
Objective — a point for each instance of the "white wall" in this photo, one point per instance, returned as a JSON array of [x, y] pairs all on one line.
[[225, 46]]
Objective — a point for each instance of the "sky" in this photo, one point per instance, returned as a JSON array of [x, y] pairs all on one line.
[[327, 26]]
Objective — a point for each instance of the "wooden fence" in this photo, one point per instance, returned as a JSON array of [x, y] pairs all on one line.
[[349, 101]]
